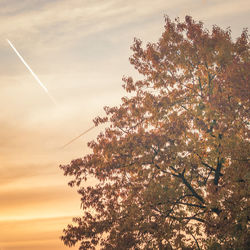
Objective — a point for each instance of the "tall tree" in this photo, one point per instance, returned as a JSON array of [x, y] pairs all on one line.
[[172, 168]]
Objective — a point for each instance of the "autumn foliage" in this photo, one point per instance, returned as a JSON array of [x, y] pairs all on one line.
[[172, 166]]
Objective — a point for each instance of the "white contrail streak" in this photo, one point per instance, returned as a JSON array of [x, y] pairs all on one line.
[[85, 132], [31, 71]]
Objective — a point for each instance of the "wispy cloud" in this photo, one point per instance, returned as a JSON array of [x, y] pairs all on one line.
[[39, 234], [11, 173], [74, 18], [38, 202], [209, 10]]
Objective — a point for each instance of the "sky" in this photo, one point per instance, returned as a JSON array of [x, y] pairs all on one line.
[[79, 49]]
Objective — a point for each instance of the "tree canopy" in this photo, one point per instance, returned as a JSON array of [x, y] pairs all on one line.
[[172, 166]]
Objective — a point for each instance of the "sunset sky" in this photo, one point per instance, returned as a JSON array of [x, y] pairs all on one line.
[[79, 49]]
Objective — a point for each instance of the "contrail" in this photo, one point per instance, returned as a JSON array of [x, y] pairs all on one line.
[[31, 71], [85, 132]]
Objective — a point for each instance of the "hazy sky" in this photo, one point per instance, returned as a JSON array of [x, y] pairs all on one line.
[[79, 49]]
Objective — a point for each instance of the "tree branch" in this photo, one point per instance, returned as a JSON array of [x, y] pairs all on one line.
[[196, 242], [187, 184]]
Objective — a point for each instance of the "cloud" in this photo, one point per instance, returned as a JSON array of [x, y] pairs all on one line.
[[26, 197], [73, 19], [33, 234], [14, 7], [12, 173], [36, 31], [215, 11], [38, 202]]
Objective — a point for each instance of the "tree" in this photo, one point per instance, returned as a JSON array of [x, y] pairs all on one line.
[[172, 168]]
